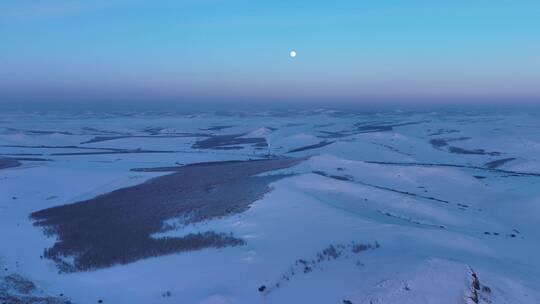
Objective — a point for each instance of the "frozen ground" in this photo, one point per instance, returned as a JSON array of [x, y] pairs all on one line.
[[343, 207]]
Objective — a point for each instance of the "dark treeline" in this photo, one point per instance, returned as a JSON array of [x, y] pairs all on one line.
[[117, 227]]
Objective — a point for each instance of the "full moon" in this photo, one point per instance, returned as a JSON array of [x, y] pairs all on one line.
[[292, 54]]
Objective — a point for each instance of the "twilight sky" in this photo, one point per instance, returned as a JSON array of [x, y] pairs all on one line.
[[238, 50]]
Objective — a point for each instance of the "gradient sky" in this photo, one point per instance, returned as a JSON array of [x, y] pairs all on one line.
[[237, 50]]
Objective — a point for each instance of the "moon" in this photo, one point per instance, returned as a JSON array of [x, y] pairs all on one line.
[[292, 54]]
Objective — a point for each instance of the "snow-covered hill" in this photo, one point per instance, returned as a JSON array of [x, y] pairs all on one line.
[[324, 207]]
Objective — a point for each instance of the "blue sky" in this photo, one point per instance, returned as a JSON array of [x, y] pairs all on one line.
[[237, 50]]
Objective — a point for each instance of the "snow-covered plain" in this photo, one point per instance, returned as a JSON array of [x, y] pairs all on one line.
[[386, 207]]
